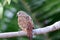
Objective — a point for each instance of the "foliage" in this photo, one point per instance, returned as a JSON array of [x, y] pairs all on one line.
[[43, 13]]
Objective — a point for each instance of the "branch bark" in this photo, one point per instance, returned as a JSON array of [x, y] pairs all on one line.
[[44, 30]]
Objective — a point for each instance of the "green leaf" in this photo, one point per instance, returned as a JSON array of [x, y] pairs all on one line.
[[1, 10], [6, 2]]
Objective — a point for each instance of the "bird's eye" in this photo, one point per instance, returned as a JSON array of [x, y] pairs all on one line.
[[19, 13]]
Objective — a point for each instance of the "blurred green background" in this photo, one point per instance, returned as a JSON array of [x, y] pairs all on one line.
[[43, 13]]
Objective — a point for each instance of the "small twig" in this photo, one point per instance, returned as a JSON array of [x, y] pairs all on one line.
[[44, 30]]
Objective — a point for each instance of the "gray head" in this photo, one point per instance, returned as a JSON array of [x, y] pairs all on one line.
[[21, 13]]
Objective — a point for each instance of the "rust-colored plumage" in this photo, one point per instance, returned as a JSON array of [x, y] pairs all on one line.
[[25, 23]]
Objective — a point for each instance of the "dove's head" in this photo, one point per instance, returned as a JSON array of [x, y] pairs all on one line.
[[21, 13]]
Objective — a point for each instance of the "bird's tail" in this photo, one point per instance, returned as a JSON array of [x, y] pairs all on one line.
[[29, 31], [29, 34]]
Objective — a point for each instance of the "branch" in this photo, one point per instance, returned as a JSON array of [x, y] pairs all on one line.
[[44, 30]]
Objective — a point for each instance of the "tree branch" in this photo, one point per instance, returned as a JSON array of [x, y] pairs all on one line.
[[44, 30]]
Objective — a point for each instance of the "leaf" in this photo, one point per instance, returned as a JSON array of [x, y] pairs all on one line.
[[6, 2], [1, 10]]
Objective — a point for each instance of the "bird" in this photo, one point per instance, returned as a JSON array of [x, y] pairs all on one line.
[[25, 22]]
